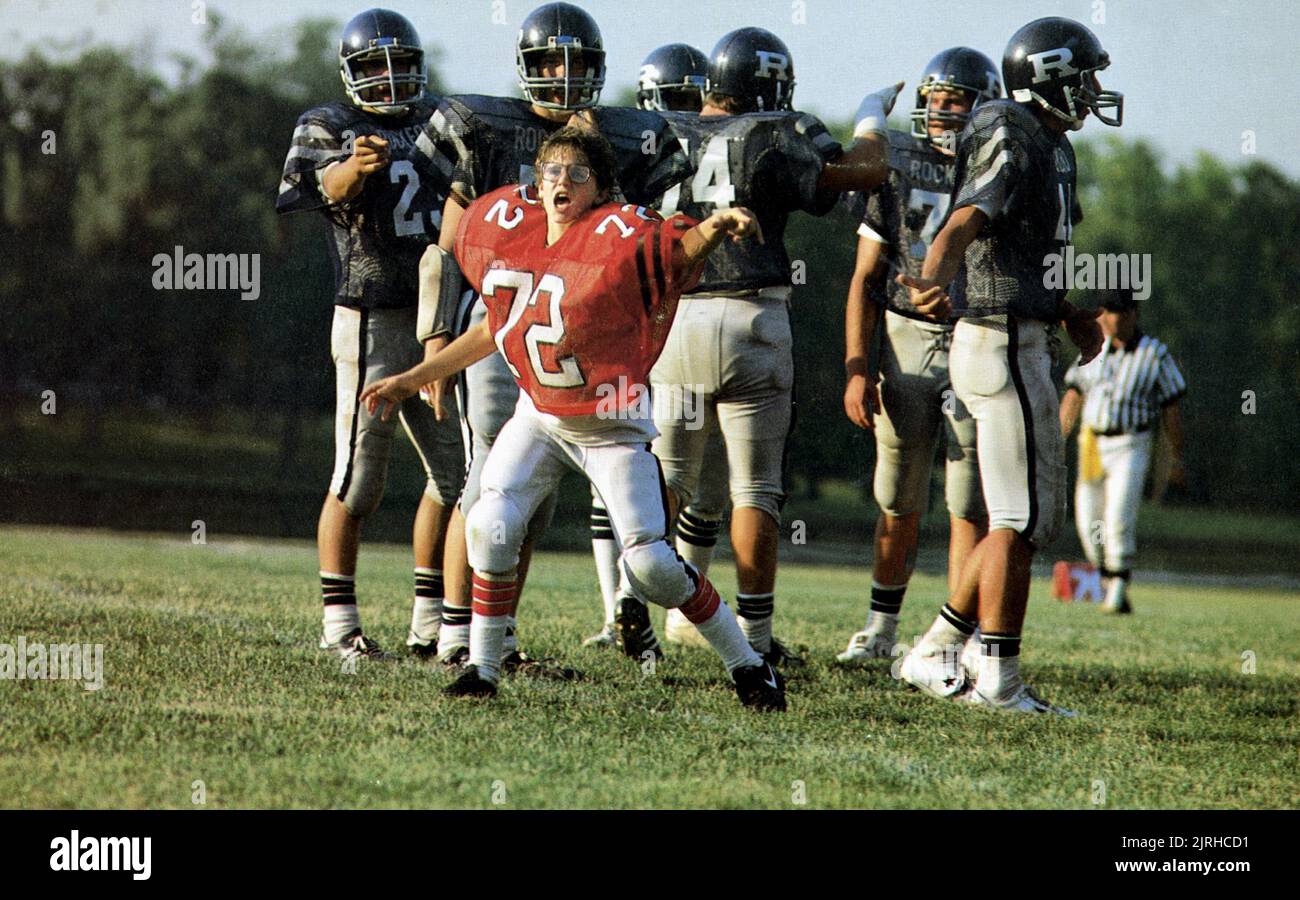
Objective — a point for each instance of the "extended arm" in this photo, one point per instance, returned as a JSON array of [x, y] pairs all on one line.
[[861, 396], [1071, 406], [705, 237], [460, 354], [929, 292]]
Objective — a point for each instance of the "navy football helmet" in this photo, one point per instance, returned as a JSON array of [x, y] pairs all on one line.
[[381, 35], [563, 29], [955, 69], [673, 78], [1054, 62], [754, 66]]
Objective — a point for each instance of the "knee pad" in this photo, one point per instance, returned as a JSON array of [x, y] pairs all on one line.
[[657, 574], [494, 532]]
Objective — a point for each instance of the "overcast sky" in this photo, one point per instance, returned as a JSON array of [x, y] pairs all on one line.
[[1195, 74]]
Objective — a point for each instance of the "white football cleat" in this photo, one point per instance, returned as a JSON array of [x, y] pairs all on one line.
[[868, 645], [1022, 700], [937, 674], [679, 630], [971, 657]]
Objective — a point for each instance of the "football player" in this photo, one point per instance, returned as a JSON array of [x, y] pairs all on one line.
[[347, 161], [581, 293], [672, 78], [492, 142], [729, 354], [914, 402], [1014, 206]]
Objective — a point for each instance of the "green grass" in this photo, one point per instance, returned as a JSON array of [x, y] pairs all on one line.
[[211, 674]]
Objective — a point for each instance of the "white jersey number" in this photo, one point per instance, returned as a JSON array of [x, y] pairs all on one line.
[[932, 205], [537, 335], [405, 222], [712, 180]]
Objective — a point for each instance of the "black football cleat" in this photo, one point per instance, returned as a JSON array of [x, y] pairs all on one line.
[[421, 649], [760, 687], [779, 656], [633, 633], [517, 662], [454, 659], [471, 684]]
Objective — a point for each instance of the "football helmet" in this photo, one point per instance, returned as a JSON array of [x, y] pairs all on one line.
[[955, 69], [382, 35], [754, 66], [561, 28], [1054, 62], [672, 77]]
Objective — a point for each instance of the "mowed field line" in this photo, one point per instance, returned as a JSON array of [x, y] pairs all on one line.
[[211, 675]]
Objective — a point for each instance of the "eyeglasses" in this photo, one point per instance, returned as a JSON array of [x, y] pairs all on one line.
[[578, 173]]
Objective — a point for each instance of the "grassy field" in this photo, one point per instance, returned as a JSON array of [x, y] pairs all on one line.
[[211, 675]]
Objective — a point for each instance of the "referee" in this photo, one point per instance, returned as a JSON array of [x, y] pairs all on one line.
[[1130, 384]]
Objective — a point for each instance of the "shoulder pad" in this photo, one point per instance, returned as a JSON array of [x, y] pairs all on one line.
[[334, 116], [623, 123]]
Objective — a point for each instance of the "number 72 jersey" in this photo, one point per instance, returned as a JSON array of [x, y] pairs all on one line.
[[581, 322], [378, 237]]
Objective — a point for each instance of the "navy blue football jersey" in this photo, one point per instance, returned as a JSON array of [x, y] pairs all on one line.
[[492, 142], [905, 212], [768, 162], [1022, 176], [377, 238]]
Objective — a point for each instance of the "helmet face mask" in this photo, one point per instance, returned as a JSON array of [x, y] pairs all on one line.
[[560, 34], [955, 70], [1053, 63], [380, 53]]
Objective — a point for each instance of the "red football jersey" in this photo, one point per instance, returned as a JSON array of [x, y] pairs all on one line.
[[581, 322]]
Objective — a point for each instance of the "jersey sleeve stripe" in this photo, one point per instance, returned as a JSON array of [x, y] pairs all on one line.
[[661, 287], [642, 277]]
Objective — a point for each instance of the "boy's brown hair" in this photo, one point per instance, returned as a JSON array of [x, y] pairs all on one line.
[[591, 145]]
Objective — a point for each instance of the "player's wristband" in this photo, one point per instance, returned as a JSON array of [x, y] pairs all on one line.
[[873, 112]]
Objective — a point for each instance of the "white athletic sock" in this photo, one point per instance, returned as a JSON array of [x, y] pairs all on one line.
[[486, 644], [755, 614], [510, 642], [341, 617], [1116, 591], [725, 636], [340, 620], [949, 633], [426, 611], [455, 627], [999, 676], [884, 624], [696, 538], [606, 552], [494, 598], [716, 623]]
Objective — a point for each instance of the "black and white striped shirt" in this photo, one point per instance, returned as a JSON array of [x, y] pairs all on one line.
[[1125, 388]]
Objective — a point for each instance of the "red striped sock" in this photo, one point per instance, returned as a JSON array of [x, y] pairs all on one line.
[[494, 598], [703, 603]]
